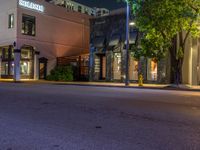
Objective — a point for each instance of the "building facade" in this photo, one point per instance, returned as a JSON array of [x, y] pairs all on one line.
[[34, 33], [74, 6], [101, 12], [108, 51]]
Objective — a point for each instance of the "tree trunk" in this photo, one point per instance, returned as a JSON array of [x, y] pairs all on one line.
[[176, 64], [172, 51], [178, 71]]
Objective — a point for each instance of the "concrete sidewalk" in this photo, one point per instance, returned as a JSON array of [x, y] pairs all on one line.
[[112, 84]]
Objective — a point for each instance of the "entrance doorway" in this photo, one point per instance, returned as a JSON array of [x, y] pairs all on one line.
[[100, 67], [43, 68], [103, 68]]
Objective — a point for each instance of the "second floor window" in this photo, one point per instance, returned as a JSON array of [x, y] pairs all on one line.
[[11, 21], [28, 25]]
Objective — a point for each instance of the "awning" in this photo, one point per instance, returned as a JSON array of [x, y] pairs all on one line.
[[114, 40], [132, 37], [99, 41]]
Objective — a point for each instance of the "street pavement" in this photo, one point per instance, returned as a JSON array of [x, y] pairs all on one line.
[[72, 117]]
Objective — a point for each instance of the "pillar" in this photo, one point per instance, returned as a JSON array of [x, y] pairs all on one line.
[[36, 65], [194, 63], [91, 64], [17, 54]]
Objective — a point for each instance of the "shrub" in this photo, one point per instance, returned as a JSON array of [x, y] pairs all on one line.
[[61, 73]]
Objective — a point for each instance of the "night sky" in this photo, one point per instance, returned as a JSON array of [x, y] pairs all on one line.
[[110, 4]]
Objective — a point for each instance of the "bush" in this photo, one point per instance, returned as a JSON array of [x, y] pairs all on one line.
[[64, 73]]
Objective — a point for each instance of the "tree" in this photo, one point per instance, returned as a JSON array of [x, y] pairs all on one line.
[[164, 22]]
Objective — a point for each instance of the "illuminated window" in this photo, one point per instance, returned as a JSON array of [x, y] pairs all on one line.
[[26, 63], [26, 54], [117, 66], [4, 68], [152, 70], [11, 21], [28, 25], [7, 64], [133, 69], [25, 67]]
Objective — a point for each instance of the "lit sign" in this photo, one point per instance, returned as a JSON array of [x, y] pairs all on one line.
[[31, 5]]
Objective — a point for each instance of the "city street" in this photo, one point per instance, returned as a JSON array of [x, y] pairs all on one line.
[[72, 117]]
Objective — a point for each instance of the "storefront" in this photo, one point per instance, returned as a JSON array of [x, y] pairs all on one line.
[[133, 69], [107, 54], [34, 34], [26, 62]]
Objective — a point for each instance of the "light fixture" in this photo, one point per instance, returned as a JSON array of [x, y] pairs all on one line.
[[132, 23]]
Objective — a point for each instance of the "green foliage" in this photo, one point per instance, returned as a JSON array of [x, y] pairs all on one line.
[[162, 20], [64, 73]]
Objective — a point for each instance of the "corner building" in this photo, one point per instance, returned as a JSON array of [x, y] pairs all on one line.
[[34, 33]]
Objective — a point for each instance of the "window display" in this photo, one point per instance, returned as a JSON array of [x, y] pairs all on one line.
[[25, 67], [117, 66], [152, 70], [133, 69]]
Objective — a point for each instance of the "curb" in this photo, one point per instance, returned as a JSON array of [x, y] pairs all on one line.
[[134, 87], [167, 87]]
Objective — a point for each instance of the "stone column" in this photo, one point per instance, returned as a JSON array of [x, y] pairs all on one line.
[[194, 63], [17, 54], [36, 65]]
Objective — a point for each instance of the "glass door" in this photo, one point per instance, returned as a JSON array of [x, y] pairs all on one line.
[[43, 68]]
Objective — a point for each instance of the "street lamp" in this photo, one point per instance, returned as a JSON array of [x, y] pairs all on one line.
[[127, 43], [132, 23]]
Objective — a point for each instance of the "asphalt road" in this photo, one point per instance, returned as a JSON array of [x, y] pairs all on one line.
[[64, 117]]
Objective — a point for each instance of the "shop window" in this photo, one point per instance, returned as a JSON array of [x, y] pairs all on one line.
[[12, 68], [152, 67], [28, 25], [1, 52], [133, 69], [26, 54], [25, 68], [11, 21], [4, 68], [97, 65], [6, 64], [12, 53], [117, 66], [6, 53]]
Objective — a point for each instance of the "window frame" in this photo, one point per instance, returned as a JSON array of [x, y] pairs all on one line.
[[23, 26], [11, 24]]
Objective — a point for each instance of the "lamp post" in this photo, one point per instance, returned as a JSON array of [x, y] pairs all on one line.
[[127, 44]]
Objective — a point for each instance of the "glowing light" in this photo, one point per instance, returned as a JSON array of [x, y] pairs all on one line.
[[132, 23], [31, 5]]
